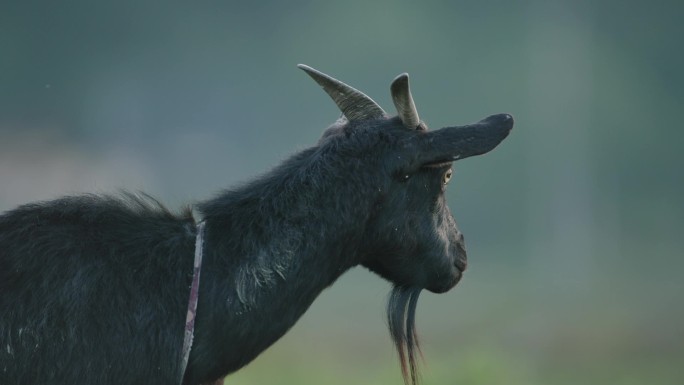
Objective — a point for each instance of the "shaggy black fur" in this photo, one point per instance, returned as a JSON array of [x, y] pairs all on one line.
[[94, 289]]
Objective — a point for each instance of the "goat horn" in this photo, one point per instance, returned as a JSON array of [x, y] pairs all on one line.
[[403, 101], [354, 104]]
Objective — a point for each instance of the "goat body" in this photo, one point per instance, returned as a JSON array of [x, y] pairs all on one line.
[[94, 289]]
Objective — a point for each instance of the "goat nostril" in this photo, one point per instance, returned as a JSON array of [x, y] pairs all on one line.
[[460, 264]]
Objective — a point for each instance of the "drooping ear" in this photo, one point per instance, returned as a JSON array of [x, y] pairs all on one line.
[[354, 104], [453, 143], [403, 101]]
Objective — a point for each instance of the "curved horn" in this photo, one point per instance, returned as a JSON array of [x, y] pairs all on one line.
[[354, 104], [401, 96]]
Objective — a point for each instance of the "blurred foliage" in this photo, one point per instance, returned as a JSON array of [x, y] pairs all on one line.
[[573, 224]]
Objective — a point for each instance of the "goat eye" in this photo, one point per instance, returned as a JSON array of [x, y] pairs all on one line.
[[405, 177], [447, 176]]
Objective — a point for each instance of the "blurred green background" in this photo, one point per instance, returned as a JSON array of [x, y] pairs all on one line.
[[573, 224]]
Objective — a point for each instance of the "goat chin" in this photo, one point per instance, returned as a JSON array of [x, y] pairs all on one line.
[[443, 287]]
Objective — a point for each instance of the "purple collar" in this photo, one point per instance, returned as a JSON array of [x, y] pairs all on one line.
[[192, 303]]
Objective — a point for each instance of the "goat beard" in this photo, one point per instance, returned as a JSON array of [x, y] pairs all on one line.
[[401, 317]]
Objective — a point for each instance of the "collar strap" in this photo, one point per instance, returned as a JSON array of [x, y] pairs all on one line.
[[192, 302]]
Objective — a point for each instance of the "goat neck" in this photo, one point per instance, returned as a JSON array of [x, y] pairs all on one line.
[[273, 246]]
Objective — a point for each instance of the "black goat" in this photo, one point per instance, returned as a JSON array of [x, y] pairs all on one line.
[[94, 289]]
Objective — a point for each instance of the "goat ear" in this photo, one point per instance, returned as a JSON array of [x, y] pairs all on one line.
[[403, 101], [453, 143], [354, 104]]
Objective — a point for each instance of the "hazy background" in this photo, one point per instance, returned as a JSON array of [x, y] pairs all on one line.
[[573, 224]]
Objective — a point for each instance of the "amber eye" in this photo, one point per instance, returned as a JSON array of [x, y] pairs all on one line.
[[447, 176]]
